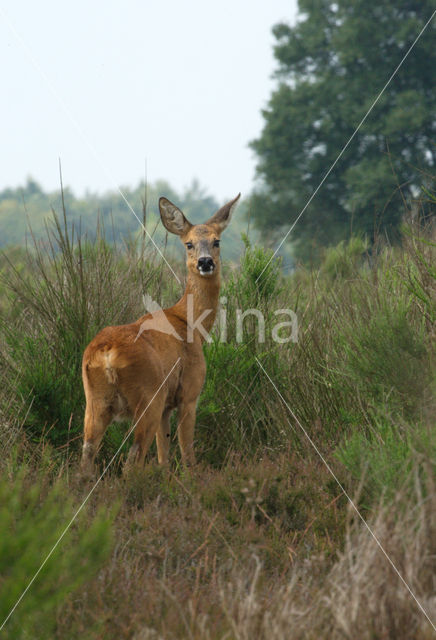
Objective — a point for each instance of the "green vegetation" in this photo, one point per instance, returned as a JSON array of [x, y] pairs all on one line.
[[259, 531], [331, 66], [34, 513]]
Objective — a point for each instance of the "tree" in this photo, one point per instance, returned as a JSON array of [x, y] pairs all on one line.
[[331, 66]]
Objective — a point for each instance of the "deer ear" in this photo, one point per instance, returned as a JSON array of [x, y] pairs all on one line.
[[172, 218], [223, 216]]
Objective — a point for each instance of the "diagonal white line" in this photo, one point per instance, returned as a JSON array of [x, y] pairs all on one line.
[[79, 130], [349, 141], [85, 501], [347, 496]]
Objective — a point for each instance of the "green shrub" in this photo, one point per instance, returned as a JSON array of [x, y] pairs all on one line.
[[231, 412], [383, 456], [344, 260], [32, 518], [386, 355], [69, 290]]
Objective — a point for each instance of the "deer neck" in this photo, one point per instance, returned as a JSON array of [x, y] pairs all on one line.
[[200, 300]]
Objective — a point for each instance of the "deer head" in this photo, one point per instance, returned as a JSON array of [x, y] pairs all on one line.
[[201, 241]]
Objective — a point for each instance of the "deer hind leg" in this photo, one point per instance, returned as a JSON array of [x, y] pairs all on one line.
[[163, 437], [147, 419], [97, 419], [185, 430]]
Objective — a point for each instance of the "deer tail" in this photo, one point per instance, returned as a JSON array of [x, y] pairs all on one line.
[[103, 361]]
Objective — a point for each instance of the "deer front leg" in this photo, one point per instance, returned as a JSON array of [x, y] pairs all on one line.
[[185, 430]]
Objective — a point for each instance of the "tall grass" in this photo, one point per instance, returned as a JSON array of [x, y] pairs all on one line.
[[364, 343], [67, 290], [257, 541]]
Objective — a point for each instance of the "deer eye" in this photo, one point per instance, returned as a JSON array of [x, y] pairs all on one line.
[[189, 245], [216, 243]]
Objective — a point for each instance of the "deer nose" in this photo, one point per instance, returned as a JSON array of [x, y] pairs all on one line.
[[205, 264]]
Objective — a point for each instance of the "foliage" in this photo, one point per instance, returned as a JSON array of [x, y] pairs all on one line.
[[385, 353], [231, 412], [343, 260], [68, 289], [33, 516], [331, 66], [380, 457]]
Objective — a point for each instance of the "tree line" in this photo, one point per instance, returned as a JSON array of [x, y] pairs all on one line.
[[26, 210]]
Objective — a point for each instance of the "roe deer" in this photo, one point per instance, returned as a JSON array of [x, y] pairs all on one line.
[[146, 369]]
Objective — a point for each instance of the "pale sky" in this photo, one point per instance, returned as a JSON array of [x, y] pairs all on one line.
[[106, 86]]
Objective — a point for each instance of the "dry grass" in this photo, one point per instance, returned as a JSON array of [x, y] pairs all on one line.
[[360, 595], [219, 554], [182, 538]]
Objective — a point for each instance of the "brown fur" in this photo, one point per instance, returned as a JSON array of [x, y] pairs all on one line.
[[124, 366]]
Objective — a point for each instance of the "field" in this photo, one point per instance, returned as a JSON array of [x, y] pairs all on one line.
[[312, 510]]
